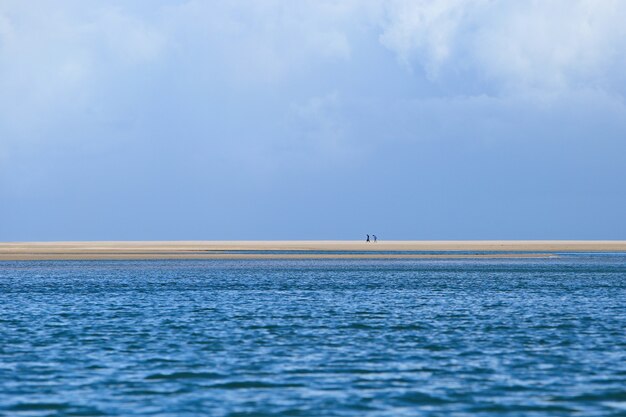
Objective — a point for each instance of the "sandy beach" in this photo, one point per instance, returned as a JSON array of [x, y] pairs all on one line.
[[295, 249]]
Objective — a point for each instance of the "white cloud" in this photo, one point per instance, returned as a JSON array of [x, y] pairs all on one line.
[[428, 29], [531, 44], [53, 56]]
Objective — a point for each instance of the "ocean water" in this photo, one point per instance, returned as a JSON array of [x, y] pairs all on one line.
[[505, 337]]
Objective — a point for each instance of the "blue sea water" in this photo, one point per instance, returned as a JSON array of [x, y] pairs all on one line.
[[503, 337]]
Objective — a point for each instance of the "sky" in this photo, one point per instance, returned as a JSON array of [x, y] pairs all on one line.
[[254, 120]]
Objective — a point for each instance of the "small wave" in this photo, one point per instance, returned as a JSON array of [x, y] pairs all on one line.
[[409, 327], [435, 348], [361, 326], [605, 396], [147, 392], [253, 384], [185, 375], [421, 398], [39, 406], [85, 411], [338, 371], [499, 408], [162, 360], [265, 327], [513, 388]]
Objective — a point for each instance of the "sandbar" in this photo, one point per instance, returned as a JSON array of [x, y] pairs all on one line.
[[14, 251]]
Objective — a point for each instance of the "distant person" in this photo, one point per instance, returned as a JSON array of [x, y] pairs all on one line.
[[375, 238], [368, 238]]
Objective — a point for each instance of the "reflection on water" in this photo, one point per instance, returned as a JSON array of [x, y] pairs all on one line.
[[540, 337]]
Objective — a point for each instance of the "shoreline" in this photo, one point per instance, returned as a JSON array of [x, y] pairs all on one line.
[[138, 250]]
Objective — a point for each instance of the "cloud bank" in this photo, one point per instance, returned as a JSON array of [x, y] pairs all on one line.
[[437, 119], [544, 46]]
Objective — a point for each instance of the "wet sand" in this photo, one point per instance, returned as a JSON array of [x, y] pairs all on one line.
[[303, 249]]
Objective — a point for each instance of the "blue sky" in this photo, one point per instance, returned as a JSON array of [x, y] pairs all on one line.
[[444, 119]]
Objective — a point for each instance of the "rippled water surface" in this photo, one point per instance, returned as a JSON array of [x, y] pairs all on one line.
[[544, 337]]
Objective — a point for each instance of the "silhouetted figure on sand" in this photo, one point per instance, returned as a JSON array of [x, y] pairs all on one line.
[[375, 238], [368, 238]]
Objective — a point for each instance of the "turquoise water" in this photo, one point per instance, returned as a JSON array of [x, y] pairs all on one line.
[[504, 337]]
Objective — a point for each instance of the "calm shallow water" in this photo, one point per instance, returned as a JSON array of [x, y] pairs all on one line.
[[512, 337]]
